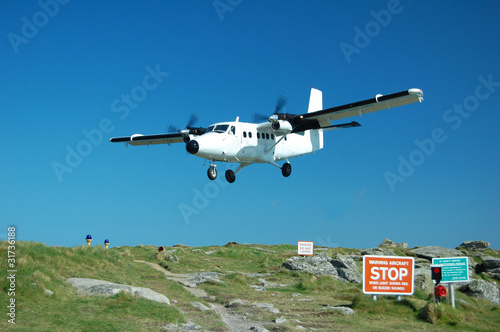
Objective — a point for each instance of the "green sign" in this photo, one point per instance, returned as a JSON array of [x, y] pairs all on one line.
[[455, 269]]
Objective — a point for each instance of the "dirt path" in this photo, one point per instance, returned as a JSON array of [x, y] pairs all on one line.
[[235, 322]]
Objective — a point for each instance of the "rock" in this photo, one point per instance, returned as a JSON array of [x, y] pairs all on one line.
[[268, 306], [346, 268], [490, 263], [200, 306], [281, 320], [106, 288], [231, 243], [258, 329], [378, 252], [341, 267], [343, 310], [166, 256], [482, 289], [389, 243], [474, 245], [436, 252], [316, 265], [189, 326], [422, 279], [235, 303], [494, 273], [180, 245], [48, 292], [202, 277]]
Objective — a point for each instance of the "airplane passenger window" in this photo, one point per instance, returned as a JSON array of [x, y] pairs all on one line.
[[267, 136], [272, 136], [258, 135], [250, 134], [232, 131], [245, 134]]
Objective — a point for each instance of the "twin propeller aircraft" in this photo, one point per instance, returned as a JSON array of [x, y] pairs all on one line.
[[281, 137]]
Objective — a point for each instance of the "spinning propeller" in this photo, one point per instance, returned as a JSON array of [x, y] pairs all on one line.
[[189, 129], [282, 101]]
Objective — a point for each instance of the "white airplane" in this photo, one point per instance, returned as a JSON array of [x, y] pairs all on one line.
[[281, 137]]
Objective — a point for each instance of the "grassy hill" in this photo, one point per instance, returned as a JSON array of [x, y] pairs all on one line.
[[45, 302]]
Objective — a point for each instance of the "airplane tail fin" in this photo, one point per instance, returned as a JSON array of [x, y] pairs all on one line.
[[315, 104]]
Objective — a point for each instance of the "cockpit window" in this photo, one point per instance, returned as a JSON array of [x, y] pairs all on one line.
[[218, 128]]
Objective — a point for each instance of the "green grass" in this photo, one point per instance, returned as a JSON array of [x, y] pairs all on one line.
[[300, 297]]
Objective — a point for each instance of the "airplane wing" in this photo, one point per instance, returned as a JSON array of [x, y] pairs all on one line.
[[139, 139], [322, 118]]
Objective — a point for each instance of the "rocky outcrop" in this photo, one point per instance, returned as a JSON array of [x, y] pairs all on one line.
[[491, 266], [474, 245], [346, 268], [378, 252], [106, 288], [341, 267], [482, 289], [436, 252], [391, 244]]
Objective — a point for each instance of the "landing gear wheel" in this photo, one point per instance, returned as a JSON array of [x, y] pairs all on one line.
[[212, 173], [286, 169], [230, 176]]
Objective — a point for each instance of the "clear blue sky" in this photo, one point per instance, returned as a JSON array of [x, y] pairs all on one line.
[[67, 68]]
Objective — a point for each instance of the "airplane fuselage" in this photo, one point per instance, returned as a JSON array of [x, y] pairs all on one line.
[[242, 142]]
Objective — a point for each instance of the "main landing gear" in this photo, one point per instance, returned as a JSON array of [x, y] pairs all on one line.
[[286, 169], [230, 175]]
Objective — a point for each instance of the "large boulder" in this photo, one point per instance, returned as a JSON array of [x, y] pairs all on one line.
[[490, 265], [482, 289], [346, 268], [436, 252], [474, 245], [341, 267], [106, 288]]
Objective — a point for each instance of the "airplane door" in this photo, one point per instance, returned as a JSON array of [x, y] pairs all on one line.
[[232, 140]]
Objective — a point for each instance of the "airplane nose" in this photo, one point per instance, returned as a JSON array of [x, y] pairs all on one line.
[[192, 147]]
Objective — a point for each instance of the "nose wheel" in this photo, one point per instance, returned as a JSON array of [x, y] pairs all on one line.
[[212, 172]]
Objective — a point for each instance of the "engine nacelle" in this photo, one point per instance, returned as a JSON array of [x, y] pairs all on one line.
[[281, 126]]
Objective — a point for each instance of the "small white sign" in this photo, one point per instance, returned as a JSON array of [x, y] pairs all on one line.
[[305, 248]]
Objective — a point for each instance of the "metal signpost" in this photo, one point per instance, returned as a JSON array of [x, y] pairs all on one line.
[[454, 269]]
